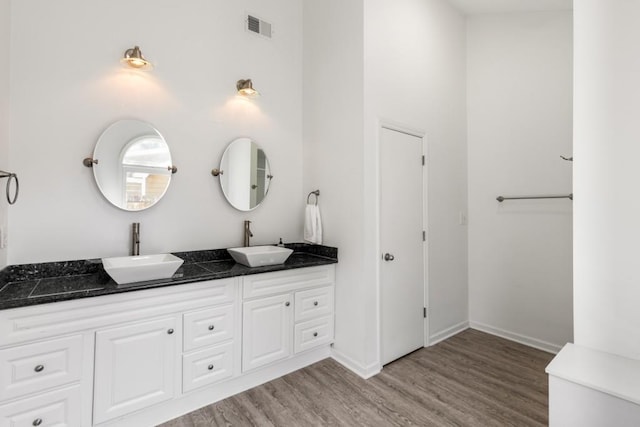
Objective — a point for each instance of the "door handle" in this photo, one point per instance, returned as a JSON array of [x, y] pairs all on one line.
[[388, 257]]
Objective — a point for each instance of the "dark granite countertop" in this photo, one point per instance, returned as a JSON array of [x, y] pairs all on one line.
[[32, 284]]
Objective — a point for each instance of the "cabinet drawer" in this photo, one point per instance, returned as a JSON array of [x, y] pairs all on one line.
[[35, 367], [313, 333], [60, 408], [207, 366], [286, 281], [206, 327], [313, 303]]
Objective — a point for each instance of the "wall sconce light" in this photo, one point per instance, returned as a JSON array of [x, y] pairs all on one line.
[[134, 59], [245, 88]]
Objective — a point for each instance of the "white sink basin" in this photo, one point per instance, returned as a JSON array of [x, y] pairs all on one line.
[[129, 269], [257, 256]]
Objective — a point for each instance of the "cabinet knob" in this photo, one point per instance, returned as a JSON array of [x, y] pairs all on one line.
[[170, 331], [210, 367], [315, 303], [211, 327], [39, 368], [287, 303], [37, 421], [315, 334]]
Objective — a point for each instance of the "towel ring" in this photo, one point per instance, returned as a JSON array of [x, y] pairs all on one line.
[[11, 176], [316, 193]]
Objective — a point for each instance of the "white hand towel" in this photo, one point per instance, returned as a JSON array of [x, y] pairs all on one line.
[[312, 225]]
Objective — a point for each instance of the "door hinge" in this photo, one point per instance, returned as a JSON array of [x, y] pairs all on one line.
[[424, 236], [424, 312], [423, 160]]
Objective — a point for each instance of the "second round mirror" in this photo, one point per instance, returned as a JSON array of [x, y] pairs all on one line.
[[245, 175]]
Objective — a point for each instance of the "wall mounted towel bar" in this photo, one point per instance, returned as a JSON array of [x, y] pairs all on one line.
[[502, 199], [11, 176]]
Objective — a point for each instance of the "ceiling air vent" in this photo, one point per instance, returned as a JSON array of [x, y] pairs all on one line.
[[258, 26]]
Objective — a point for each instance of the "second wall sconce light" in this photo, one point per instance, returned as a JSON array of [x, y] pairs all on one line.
[[134, 59], [245, 88]]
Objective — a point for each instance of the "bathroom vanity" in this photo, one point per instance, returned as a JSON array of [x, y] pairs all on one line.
[[77, 350]]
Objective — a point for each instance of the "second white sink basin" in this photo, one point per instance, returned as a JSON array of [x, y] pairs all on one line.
[[129, 269], [257, 256]]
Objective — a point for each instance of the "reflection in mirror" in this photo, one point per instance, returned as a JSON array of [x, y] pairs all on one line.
[[133, 168], [246, 175]]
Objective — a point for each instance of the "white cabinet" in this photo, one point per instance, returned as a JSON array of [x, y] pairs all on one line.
[[32, 368], [209, 326], [134, 367], [144, 357], [208, 366], [41, 382], [285, 313], [266, 330], [60, 408], [313, 333], [314, 318], [210, 346]]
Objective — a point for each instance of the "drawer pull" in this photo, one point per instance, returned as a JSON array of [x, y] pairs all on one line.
[[170, 331], [211, 327], [39, 368], [315, 303], [210, 367], [315, 334], [287, 303], [37, 422]]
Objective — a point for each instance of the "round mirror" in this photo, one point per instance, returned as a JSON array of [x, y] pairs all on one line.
[[132, 165], [245, 175]]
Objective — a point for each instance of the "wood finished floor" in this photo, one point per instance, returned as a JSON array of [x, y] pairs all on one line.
[[471, 379]]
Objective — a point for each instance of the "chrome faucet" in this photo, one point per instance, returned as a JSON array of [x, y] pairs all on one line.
[[135, 239], [247, 233]]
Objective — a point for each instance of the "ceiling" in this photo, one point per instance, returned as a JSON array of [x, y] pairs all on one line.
[[471, 7]]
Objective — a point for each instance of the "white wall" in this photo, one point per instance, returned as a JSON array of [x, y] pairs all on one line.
[[68, 86], [415, 74], [412, 59], [606, 176], [519, 118], [333, 157], [5, 37]]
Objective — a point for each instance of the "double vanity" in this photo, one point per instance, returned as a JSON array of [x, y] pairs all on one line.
[[78, 349], [137, 341]]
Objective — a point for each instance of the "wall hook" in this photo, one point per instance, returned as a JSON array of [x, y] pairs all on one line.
[[569, 159]]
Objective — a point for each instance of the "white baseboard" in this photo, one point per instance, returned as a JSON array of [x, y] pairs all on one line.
[[519, 338], [365, 372], [448, 333]]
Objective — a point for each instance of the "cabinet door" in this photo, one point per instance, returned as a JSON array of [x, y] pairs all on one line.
[[135, 367], [266, 330]]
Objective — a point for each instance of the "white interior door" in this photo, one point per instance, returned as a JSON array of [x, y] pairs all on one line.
[[401, 243]]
